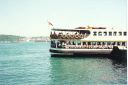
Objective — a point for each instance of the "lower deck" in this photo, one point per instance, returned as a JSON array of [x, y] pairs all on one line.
[[115, 53], [81, 51], [85, 51], [71, 47]]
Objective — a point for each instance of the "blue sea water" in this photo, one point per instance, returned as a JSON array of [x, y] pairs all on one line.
[[31, 64]]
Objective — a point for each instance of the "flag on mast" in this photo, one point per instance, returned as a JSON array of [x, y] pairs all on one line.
[[50, 23]]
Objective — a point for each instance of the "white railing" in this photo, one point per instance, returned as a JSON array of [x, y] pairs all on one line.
[[89, 46]]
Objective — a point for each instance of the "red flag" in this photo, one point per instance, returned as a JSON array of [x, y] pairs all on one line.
[[50, 23]]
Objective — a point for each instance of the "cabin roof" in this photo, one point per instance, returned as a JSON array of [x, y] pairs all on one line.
[[105, 38], [78, 28], [56, 29]]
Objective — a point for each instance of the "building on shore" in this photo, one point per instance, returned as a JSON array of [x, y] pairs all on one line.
[[34, 39]]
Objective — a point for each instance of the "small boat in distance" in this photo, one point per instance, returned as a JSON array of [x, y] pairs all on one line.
[[87, 40]]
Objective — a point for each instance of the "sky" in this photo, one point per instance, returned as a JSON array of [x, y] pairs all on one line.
[[29, 17]]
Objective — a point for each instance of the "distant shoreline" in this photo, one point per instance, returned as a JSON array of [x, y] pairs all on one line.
[[16, 39]]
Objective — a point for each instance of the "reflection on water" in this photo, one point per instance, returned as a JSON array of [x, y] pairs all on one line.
[[31, 64], [80, 71]]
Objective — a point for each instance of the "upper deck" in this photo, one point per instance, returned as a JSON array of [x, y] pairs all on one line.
[[90, 34]]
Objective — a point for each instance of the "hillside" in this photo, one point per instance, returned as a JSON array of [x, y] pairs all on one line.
[[9, 37]]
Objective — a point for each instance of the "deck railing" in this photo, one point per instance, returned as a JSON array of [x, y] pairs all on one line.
[[67, 36], [89, 46]]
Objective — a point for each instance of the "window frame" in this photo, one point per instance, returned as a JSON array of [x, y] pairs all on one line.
[[114, 33], [99, 33], [110, 33], [94, 33], [125, 33], [105, 33], [120, 33]]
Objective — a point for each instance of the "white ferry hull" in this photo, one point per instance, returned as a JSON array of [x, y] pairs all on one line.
[[81, 51], [88, 41]]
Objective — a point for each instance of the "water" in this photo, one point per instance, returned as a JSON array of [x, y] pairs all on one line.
[[31, 64]]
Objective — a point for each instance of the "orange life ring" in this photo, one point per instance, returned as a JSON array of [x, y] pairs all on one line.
[[63, 37], [67, 36], [71, 36], [76, 36]]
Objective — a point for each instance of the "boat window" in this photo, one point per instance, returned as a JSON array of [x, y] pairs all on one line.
[[118, 43], [84, 43], [53, 44], [120, 33], [114, 33], [105, 33], [51, 33], [123, 43], [98, 43], [68, 43], [100, 33], [103, 43], [78, 42], [125, 33], [110, 33], [113, 43], [94, 33], [73, 43], [59, 44], [108, 43], [89, 43], [93, 43]]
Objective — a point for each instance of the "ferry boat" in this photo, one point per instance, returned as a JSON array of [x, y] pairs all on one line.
[[87, 40]]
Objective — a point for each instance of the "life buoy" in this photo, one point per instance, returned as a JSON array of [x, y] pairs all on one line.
[[67, 36], [51, 36], [71, 36], [55, 36], [63, 37], [81, 36], [59, 36], [76, 36]]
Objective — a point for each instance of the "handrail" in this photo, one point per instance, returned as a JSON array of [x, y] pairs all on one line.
[[69, 36], [89, 46]]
